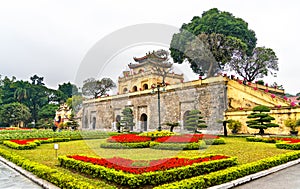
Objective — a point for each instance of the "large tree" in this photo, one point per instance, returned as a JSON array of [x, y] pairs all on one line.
[[68, 90], [209, 53], [14, 114], [97, 88], [261, 62], [212, 21]]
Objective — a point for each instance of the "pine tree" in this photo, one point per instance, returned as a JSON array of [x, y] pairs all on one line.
[[127, 119], [261, 120], [194, 121]]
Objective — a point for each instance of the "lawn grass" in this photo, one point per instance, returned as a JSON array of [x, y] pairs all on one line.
[[245, 152]]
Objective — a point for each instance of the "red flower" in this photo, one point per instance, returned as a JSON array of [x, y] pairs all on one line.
[[273, 96], [143, 166], [128, 138], [27, 141], [187, 138], [255, 88], [266, 90]]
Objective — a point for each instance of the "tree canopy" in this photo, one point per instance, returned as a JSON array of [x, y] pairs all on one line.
[[97, 88], [68, 90], [14, 113], [261, 120], [261, 62], [209, 53], [212, 21]]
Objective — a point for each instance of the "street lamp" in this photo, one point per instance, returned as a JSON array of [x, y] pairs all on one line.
[[158, 86]]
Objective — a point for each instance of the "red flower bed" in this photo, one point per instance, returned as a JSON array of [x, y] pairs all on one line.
[[26, 141], [187, 138], [139, 167], [128, 138], [290, 140]]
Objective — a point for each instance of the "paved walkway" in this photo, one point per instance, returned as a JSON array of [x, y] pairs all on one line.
[[11, 179], [288, 178], [14, 177]]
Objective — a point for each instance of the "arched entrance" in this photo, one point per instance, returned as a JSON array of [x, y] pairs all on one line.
[[134, 88], [145, 86], [144, 124]]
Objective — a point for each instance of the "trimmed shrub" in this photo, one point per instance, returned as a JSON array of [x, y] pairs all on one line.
[[58, 178], [125, 145], [178, 146], [288, 146], [156, 134], [261, 139], [232, 173]]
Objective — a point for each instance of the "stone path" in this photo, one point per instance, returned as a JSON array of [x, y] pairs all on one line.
[[288, 178], [11, 179]]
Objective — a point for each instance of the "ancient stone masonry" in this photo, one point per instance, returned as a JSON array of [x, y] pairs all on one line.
[[205, 95], [218, 98]]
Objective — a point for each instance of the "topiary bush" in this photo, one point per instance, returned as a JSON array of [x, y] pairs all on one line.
[[261, 120]]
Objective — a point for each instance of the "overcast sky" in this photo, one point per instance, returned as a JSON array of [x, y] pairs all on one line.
[[51, 38]]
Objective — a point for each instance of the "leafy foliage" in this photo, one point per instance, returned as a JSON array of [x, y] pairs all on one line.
[[261, 62], [172, 125], [234, 125], [14, 113], [261, 120], [127, 119], [194, 121], [212, 21], [209, 53], [97, 88], [291, 123], [68, 90]]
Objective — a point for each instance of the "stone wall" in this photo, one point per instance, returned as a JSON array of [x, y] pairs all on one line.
[[209, 96], [280, 114]]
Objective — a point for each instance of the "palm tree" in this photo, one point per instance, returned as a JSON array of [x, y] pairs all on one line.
[[21, 90]]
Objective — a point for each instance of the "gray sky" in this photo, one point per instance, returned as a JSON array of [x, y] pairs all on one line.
[[52, 37]]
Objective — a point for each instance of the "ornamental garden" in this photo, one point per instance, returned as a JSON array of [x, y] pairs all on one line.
[[157, 131], [156, 159]]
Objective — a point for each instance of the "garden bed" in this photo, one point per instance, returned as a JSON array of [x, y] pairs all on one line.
[[138, 173], [281, 142], [27, 144]]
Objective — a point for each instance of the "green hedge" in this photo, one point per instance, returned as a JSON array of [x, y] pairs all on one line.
[[261, 139], [58, 178], [217, 141], [284, 145], [73, 135], [232, 173], [125, 145], [149, 178], [178, 146], [33, 144]]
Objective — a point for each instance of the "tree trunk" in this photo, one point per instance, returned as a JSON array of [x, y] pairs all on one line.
[[261, 131]]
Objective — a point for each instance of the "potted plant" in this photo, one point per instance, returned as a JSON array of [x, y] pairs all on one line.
[[292, 124], [234, 125]]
